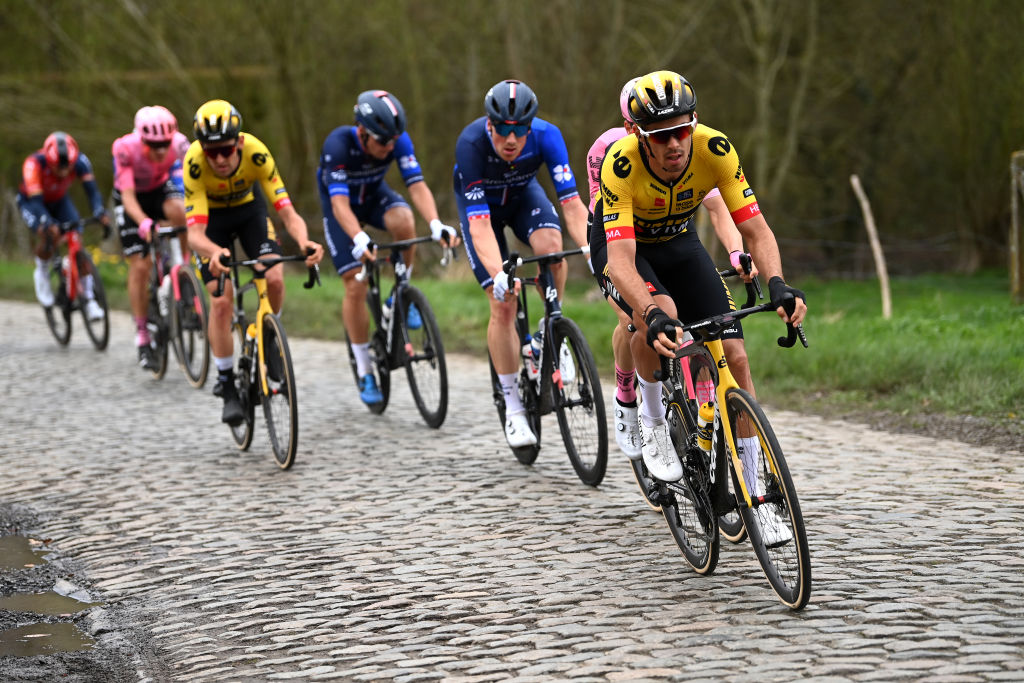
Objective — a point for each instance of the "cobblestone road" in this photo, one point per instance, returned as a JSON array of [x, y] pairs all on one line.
[[392, 551]]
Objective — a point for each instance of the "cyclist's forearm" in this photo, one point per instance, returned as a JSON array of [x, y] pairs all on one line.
[[624, 275], [131, 206], [721, 221], [342, 210], [762, 246], [485, 244], [294, 224], [423, 200], [576, 213], [200, 243]]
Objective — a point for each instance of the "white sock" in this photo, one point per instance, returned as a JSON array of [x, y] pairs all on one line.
[[510, 388], [223, 364], [650, 394], [750, 447], [362, 353], [87, 287], [40, 265]]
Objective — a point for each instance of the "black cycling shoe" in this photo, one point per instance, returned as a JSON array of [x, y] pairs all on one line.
[[146, 359], [218, 386], [232, 413]]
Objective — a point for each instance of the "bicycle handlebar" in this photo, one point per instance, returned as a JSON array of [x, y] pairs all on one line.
[[168, 230], [513, 261], [448, 253], [267, 263], [68, 226]]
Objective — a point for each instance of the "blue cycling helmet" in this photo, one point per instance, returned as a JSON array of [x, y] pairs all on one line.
[[381, 113], [511, 101]]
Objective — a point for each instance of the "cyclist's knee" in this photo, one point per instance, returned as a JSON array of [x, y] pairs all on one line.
[[400, 223], [546, 241], [503, 312]]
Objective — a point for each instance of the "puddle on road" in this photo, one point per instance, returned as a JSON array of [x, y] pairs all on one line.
[[18, 552], [43, 639], [44, 603]]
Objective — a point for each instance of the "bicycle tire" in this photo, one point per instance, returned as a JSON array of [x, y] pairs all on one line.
[[98, 330], [58, 316], [579, 403], [648, 486], [280, 401], [242, 433], [424, 360], [158, 338], [526, 455], [786, 565], [190, 316], [687, 507], [381, 371]]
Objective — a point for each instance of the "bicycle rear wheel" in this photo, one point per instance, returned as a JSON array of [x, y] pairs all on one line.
[[242, 433], [99, 330], [424, 360], [280, 402], [189, 319], [157, 338], [579, 404], [524, 454], [687, 507], [58, 316], [380, 370], [774, 524]]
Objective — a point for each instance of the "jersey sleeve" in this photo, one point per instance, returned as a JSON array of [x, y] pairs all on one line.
[[616, 194], [470, 165], [556, 156], [83, 169], [408, 166], [332, 165], [197, 211], [269, 177], [32, 176], [730, 179], [595, 155], [124, 173]]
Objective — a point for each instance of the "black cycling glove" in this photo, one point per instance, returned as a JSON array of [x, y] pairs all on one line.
[[657, 322], [778, 289]]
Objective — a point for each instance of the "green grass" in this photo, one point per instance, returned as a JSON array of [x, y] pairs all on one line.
[[955, 344]]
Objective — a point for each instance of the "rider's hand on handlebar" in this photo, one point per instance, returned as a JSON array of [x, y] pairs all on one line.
[[146, 229], [217, 267], [314, 252], [363, 248], [661, 332], [502, 286], [777, 290], [445, 234], [738, 259]]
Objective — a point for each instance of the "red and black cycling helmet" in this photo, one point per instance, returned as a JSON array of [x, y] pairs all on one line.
[[60, 150], [380, 113], [510, 101]]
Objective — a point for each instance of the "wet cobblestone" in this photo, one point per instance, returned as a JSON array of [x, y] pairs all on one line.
[[395, 552]]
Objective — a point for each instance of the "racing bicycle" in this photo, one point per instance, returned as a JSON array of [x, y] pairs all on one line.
[[264, 374], [763, 489], [393, 344], [69, 278], [563, 379]]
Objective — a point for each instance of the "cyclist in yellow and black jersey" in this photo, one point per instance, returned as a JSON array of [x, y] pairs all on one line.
[[651, 184], [222, 168]]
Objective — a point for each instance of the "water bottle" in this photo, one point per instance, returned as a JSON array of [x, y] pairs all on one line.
[[537, 345], [705, 419], [65, 267], [163, 297], [532, 368], [385, 311]]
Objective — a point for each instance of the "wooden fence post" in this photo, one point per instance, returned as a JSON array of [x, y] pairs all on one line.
[[876, 246]]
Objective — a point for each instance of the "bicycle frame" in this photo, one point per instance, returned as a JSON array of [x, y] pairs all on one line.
[[70, 237]]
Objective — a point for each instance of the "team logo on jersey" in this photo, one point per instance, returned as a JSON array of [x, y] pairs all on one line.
[[608, 194], [193, 171], [621, 165], [408, 162], [686, 179], [475, 192], [739, 173], [719, 146], [747, 192], [650, 287], [610, 217], [259, 158], [687, 194], [657, 189], [535, 212], [562, 173], [658, 201]]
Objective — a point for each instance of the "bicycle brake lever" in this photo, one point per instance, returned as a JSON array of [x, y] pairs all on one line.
[[314, 277], [793, 331], [361, 275], [220, 285]]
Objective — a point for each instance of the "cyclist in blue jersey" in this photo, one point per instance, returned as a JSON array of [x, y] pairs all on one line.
[[353, 192], [497, 158]]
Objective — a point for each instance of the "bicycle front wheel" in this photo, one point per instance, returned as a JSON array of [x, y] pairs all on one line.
[[688, 510], [524, 454], [157, 339], [242, 433], [774, 524], [280, 401], [58, 316], [579, 404], [424, 360], [99, 330], [190, 314]]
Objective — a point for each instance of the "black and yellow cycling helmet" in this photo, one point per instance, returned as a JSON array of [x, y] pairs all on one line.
[[660, 95], [216, 121]]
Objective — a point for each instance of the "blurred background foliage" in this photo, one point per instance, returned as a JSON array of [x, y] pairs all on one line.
[[922, 99]]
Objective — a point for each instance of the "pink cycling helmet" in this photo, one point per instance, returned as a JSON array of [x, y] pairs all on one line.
[[624, 97], [155, 124]]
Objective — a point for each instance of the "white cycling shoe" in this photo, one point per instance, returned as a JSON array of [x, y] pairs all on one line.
[[44, 292], [774, 531], [93, 311], [518, 432], [627, 432], [658, 454]]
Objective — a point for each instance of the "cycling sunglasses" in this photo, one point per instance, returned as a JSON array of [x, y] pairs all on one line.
[[664, 135], [220, 151], [158, 145], [382, 140], [504, 129]]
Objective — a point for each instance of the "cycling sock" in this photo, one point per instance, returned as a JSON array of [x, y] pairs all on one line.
[[749, 448], [141, 331], [625, 392], [40, 265], [224, 365], [652, 409], [362, 354], [510, 388], [87, 287]]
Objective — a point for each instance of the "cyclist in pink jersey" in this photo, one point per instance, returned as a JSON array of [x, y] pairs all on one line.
[[627, 431], [148, 188]]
